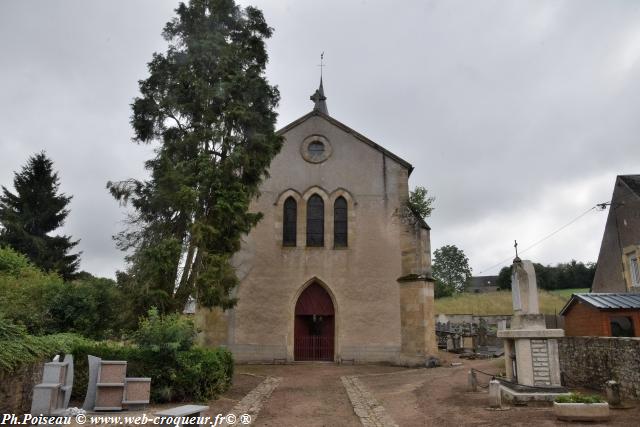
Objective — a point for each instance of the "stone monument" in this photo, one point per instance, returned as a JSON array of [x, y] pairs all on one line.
[[109, 388], [51, 397], [530, 349]]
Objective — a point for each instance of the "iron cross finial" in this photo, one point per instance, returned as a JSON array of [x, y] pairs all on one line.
[[321, 65]]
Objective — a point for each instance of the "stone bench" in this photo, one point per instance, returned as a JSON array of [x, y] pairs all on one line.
[[183, 413]]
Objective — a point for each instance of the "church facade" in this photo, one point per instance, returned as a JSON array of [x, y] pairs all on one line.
[[338, 268]]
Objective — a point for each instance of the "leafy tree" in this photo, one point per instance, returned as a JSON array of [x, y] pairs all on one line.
[[451, 269], [165, 334], [569, 275], [211, 111], [26, 292], [442, 290], [504, 278], [93, 307], [420, 203], [44, 304], [36, 210], [12, 263]]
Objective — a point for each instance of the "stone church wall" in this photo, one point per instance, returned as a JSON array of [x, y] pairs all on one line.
[[416, 305], [361, 279]]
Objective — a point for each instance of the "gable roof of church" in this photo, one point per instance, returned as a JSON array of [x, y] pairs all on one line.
[[348, 130]]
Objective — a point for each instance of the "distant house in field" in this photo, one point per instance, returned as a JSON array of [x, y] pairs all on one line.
[[482, 284], [606, 315], [618, 268]]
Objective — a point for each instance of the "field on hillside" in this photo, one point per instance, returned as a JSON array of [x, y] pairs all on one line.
[[566, 293], [500, 302]]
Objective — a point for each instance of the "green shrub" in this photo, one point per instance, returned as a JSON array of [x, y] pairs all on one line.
[[26, 296], [18, 349], [203, 373], [165, 334], [579, 398], [91, 307], [12, 262], [104, 350], [162, 349], [196, 374], [44, 304], [10, 331]]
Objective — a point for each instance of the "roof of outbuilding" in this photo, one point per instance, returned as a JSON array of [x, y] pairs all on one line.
[[605, 301]]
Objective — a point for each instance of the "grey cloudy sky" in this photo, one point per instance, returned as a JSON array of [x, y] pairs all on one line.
[[517, 115]]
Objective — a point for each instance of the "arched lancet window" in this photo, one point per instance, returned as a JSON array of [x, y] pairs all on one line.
[[315, 221], [340, 225], [289, 221]]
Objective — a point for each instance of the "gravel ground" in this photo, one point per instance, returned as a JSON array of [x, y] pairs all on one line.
[[310, 394], [314, 394], [438, 397]]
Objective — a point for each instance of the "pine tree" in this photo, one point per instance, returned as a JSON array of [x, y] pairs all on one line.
[[210, 110], [34, 211]]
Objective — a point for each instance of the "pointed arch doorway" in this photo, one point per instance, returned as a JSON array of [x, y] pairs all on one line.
[[314, 326]]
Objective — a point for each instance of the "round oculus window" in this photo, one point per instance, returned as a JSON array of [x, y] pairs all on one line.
[[316, 149]]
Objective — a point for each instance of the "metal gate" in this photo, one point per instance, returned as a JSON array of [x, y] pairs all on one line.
[[314, 348], [314, 325]]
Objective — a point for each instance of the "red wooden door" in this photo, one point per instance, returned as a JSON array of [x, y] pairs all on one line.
[[314, 325]]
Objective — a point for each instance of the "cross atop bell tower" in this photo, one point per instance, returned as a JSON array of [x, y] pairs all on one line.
[[318, 97]]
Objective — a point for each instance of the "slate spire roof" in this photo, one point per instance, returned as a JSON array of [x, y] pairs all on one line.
[[632, 181], [320, 101]]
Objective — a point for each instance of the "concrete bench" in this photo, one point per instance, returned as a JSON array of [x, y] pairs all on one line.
[[178, 415]]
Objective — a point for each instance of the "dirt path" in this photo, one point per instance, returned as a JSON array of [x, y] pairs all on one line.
[[439, 397], [310, 394], [242, 385], [314, 395]]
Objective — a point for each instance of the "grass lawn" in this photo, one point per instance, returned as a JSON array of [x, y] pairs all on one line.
[[500, 302]]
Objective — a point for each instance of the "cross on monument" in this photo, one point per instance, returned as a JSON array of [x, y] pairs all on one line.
[[515, 245]]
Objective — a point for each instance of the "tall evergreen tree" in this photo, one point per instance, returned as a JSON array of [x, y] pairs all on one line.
[[34, 211], [210, 110]]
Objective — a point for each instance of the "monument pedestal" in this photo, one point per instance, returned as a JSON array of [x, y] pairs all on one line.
[[531, 351]]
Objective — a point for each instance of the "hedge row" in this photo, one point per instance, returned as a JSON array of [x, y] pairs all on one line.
[[18, 349], [197, 374]]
